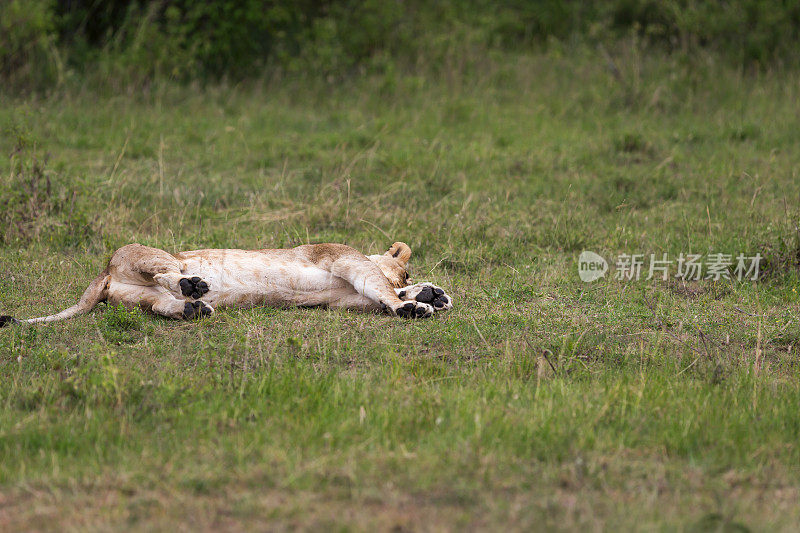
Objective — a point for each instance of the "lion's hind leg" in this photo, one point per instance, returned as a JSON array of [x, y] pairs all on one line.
[[158, 300], [178, 283], [144, 263], [169, 306]]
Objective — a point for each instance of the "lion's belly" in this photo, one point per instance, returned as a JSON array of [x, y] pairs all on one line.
[[247, 280]]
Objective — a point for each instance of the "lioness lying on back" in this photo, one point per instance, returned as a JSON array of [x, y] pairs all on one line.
[[191, 284]]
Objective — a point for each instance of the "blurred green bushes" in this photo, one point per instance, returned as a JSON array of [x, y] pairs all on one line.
[[137, 40], [27, 38]]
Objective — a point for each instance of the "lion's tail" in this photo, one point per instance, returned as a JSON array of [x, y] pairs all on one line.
[[95, 293]]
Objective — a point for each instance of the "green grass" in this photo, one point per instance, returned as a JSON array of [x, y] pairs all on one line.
[[538, 402]]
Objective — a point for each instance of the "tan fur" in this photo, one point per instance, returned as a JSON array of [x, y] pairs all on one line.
[[333, 275]]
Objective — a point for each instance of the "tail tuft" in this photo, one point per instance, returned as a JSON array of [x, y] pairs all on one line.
[[5, 320]]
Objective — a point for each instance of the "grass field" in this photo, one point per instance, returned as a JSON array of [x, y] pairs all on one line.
[[538, 402]]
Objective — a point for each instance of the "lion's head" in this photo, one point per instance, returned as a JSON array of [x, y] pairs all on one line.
[[394, 264]]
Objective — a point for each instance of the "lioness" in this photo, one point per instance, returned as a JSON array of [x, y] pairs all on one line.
[[191, 284]]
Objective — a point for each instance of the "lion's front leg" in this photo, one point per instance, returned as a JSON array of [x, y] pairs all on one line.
[[369, 282], [426, 293]]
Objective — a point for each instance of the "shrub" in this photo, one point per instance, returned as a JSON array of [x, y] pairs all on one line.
[[137, 40], [27, 39]]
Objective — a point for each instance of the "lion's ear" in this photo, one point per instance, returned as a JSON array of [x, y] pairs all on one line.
[[400, 251]]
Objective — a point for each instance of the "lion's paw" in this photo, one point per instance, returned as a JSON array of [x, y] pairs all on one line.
[[426, 293], [196, 310], [414, 309], [193, 287]]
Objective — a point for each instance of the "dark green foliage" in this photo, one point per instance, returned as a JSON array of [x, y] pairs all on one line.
[[27, 39], [137, 40], [747, 31]]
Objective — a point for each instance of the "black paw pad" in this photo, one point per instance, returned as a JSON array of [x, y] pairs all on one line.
[[425, 295], [434, 296], [193, 287], [407, 310], [195, 309], [413, 310], [5, 320]]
